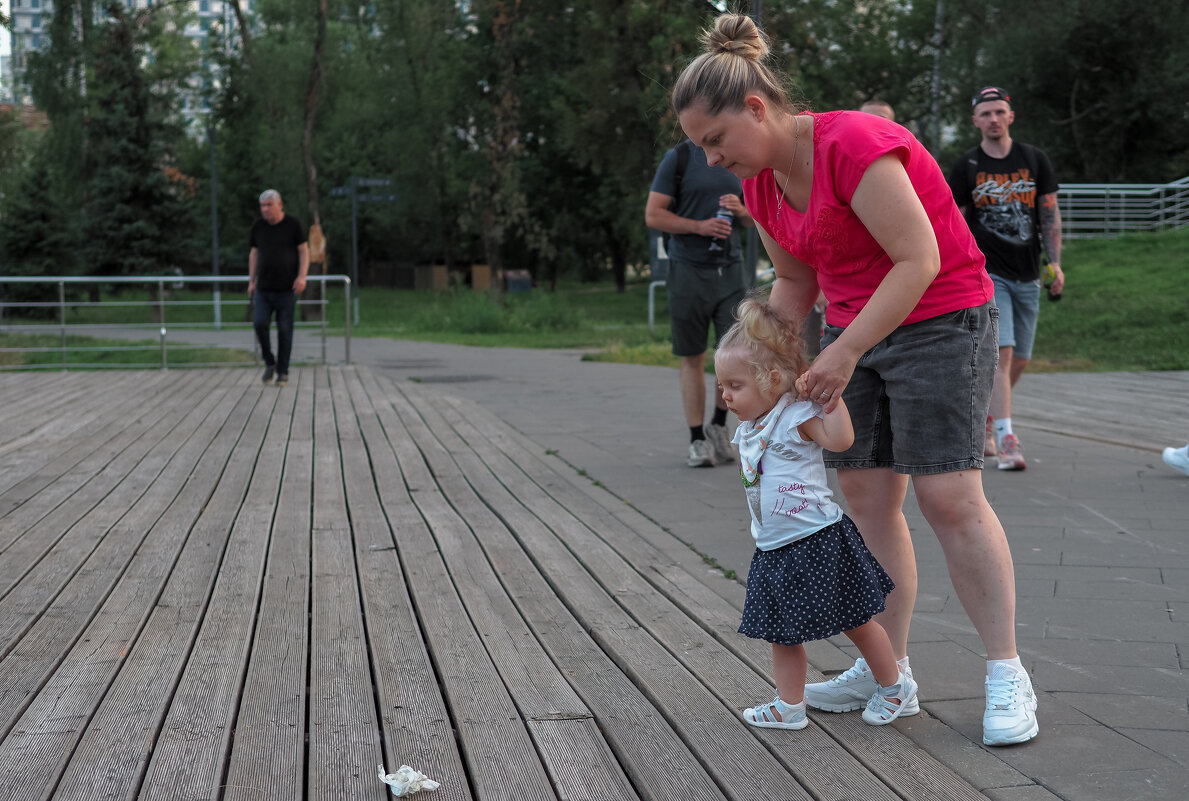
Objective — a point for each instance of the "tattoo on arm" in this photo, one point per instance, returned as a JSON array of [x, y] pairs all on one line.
[[1050, 226]]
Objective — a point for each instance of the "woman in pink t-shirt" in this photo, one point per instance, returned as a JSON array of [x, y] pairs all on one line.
[[854, 205]]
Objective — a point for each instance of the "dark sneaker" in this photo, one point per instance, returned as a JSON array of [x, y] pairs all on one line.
[[269, 372], [282, 380]]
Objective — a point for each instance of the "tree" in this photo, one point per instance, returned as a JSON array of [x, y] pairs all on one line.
[[137, 215], [1100, 85]]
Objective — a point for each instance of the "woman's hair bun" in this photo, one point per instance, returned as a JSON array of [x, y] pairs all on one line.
[[738, 35]]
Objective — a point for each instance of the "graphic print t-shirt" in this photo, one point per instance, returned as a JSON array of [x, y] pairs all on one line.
[[784, 476], [1005, 214]]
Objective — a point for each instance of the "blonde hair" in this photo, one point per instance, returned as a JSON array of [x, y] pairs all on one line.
[[770, 341], [731, 69]]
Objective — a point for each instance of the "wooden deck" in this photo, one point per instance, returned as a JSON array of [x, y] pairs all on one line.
[[214, 589]]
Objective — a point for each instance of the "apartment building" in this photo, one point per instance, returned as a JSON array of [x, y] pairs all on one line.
[[31, 22]]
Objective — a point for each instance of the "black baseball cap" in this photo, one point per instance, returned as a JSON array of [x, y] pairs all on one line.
[[990, 93]]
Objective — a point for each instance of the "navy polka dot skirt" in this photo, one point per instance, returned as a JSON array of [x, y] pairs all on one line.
[[814, 588]]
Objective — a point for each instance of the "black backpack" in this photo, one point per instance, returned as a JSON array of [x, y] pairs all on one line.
[[683, 151]]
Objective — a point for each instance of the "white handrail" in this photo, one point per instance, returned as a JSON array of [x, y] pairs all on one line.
[[1089, 210], [161, 283]]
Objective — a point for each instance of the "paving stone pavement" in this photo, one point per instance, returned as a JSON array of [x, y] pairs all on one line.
[[1097, 528]]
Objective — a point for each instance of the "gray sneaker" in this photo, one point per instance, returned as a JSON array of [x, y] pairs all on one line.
[[720, 444], [699, 454], [852, 690]]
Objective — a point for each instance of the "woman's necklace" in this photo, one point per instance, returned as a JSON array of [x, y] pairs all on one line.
[[789, 174]]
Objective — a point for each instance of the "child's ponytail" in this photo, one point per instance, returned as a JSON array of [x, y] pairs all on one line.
[[773, 343]]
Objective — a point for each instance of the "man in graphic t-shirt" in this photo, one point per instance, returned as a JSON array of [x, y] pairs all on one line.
[[1008, 193], [277, 267]]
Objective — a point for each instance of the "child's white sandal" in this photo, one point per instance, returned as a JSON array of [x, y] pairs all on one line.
[[777, 715], [880, 709]]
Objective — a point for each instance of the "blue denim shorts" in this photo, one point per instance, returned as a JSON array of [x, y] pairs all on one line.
[[919, 398], [1019, 306]]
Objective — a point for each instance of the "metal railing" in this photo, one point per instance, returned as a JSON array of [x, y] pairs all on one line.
[[1093, 210], [173, 309]]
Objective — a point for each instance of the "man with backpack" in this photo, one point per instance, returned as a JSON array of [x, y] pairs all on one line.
[[1008, 193], [701, 209]]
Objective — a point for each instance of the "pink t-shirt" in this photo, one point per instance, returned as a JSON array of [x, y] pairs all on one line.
[[831, 239]]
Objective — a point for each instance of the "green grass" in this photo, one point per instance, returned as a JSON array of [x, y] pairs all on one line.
[[1124, 308], [108, 353], [577, 316]]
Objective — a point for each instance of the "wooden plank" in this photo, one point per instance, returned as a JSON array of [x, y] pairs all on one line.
[[27, 502], [69, 699], [897, 760], [637, 731], [79, 431], [499, 753], [195, 737], [590, 771], [270, 729], [120, 735], [92, 500], [534, 683], [344, 746], [101, 542], [18, 386], [34, 409], [721, 741], [818, 761], [50, 414], [416, 725]]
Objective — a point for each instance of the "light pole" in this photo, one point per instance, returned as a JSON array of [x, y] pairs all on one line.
[[210, 135]]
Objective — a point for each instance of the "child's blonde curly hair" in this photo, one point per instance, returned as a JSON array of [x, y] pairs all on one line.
[[770, 341]]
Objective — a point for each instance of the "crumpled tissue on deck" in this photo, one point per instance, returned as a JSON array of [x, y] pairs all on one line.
[[407, 781]]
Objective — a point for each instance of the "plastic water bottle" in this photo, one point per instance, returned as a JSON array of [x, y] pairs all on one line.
[[723, 213]]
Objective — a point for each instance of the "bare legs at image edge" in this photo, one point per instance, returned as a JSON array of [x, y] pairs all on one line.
[[980, 567]]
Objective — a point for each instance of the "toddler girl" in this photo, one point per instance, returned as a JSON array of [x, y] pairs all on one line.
[[811, 576]]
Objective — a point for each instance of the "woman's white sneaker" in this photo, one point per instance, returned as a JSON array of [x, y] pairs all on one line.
[[1011, 707], [851, 690]]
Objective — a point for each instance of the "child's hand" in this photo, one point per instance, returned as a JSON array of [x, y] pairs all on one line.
[[802, 387]]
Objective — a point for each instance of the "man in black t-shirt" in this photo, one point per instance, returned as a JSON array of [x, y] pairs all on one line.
[[1008, 193], [706, 280], [277, 267]]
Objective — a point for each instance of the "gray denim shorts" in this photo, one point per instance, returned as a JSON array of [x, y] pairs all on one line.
[[699, 296], [919, 398]]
